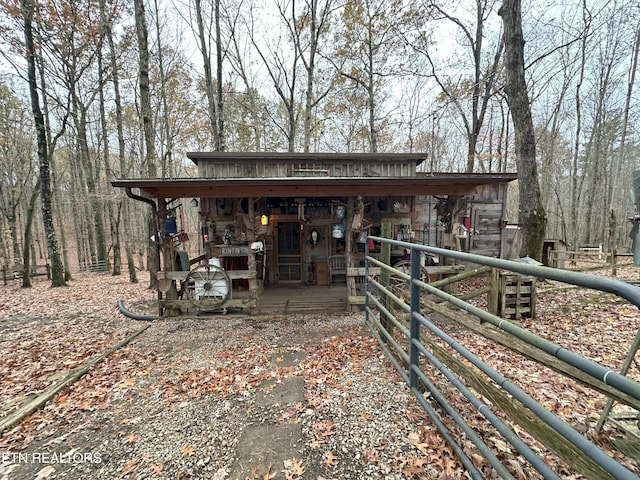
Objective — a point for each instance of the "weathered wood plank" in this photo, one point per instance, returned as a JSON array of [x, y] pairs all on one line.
[[507, 340], [188, 304], [73, 375], [456, 278], [182, 275], [356, 299], [521, 415], [361, 271], [444, 269]]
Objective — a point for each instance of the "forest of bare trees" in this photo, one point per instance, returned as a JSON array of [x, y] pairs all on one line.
[[92, 90]]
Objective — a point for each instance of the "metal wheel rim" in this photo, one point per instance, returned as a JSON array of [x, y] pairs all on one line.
[[214, 281]]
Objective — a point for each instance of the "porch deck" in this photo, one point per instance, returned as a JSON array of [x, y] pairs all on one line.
[[285, 299]]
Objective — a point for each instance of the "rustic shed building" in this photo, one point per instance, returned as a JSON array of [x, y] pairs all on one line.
[[284, 219]]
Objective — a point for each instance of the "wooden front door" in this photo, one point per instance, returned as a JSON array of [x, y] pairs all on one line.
[[289, 254]]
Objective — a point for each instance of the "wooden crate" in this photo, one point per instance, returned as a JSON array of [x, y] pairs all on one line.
[[517, 296]]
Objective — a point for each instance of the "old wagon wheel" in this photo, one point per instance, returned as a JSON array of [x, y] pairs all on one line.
[[403, 266], [399, 283], [208, 286]]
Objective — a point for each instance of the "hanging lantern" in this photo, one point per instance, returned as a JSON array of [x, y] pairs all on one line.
[[170, 226], [337, 230], [264, 220]]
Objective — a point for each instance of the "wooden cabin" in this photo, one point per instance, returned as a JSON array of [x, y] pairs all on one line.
[[272, 220]]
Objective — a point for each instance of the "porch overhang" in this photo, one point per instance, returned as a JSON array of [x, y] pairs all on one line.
[[431, 184]]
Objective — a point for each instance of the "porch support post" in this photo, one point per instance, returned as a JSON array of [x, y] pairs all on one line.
[[254, 291], [348, 247]]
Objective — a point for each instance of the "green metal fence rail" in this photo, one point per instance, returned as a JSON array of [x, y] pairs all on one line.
[[421, 351]]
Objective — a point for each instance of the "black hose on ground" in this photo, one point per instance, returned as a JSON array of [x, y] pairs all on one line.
[[135, 316]]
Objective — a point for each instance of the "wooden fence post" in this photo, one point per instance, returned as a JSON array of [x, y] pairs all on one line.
[[494, 294], [385, 257]]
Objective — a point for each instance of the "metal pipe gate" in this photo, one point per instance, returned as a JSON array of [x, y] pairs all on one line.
[[422, 346]]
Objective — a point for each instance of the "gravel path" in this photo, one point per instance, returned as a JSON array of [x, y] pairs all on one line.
[[175, 402], [180, 401]]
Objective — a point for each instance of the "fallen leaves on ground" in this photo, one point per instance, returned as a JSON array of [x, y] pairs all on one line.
[[330, 460], [49, 331], [131, 467], [293, 469], [268, 475], [187, 450], [600, 326], [133, 438]]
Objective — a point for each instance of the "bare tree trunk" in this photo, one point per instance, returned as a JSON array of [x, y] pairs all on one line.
[[310, 67], [4, 252], [317, 21], [625, 117], [116, 235], [373, 132], [250, 93], [214, 100], [90, 174], [220, 145], [147, 121], [60, 209], [26, 257], [577, 181], [613, 248], [533, 218], [12, 220], [284, 75], [104, 141], [82, 240], [131, 262], [85, 239], [483, 79], [166, 166], [57, 269]]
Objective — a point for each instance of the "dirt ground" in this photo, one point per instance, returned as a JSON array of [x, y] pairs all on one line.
[[237, 397], [181, 400]]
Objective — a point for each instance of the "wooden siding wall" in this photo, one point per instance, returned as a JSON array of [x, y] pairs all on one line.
[[266, 169], [486, 219], [427, 219], [490, 193], [486, 211], [229, 216]]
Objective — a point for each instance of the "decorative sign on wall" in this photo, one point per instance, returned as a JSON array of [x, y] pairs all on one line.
[[234, 250]]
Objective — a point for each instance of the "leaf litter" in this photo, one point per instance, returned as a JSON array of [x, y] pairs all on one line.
[[172, 404]]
